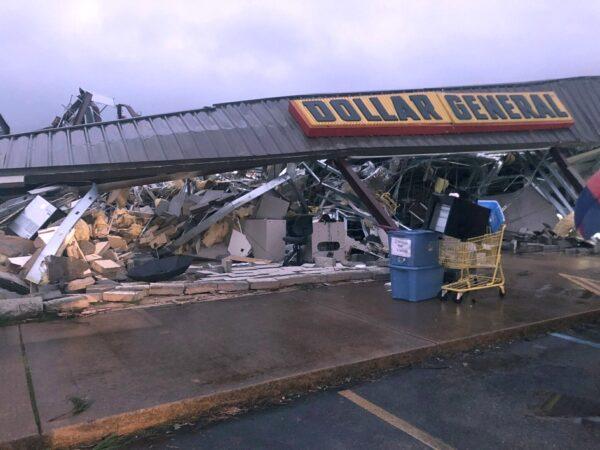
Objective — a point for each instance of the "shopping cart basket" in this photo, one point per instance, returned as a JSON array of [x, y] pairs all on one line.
[[479, 261]]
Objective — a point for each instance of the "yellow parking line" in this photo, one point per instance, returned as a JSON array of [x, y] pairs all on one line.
[[396, 422]]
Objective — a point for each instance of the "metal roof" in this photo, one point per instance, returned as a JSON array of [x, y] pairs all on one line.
[[244, 134]]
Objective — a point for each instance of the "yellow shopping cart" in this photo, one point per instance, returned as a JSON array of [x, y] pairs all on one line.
[[479, 261]]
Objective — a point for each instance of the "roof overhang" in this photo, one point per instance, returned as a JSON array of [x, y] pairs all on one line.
[[252, 133]]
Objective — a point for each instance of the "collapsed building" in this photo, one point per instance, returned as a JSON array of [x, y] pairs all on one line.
[[90, 205]]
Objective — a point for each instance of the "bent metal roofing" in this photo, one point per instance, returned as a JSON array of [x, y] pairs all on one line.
[[244, 134]]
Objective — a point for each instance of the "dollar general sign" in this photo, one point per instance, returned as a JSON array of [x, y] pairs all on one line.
[[429, 113]]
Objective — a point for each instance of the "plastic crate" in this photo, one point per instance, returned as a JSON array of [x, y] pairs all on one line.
[[415, 284]]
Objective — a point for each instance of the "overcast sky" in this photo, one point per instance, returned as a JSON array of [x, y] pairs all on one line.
[[162, 56]]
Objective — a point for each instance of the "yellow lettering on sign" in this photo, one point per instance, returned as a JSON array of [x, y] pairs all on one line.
[[504, 107], [429, 113]]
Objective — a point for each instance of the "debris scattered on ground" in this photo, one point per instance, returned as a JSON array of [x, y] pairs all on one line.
[[79, 405], [258, 229]]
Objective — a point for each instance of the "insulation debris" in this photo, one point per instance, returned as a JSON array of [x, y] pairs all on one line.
[[262, 228]]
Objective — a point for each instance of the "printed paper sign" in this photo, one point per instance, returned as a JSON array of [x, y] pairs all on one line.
[[401, 247]]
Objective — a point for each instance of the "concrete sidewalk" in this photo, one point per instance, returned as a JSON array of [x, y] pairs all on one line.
[[146, 367]]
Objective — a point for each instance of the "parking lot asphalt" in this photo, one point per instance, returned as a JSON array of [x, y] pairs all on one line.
[[540, 393]]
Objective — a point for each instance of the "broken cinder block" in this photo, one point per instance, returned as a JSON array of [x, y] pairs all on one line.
[[21, 308], [265, 283], [324, 261], [73, 303], [122, 296], [80, 284], [101, 247], [61, 268], [117, 242], [173, 288], [234, 285], [106, 267], [201, 287], [15, 246]]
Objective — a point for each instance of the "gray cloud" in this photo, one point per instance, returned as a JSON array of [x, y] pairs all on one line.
[[166, 56]]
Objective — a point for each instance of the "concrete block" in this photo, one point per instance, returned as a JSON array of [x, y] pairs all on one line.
[[530, 247], [264, 283], [48, 294], [95, 296], [100, 287], [133, 287], [324, 261], [72, 303], [551, 248], [379, 273], [329, 239], [117, 242], [106, 267], [80, 284], [62, 268], [122, 296], [167, 288], [21, 308], [358, 274], [292, 280], [101, 248], [233, 285], [338, 275], [201, 287], [12, 246]]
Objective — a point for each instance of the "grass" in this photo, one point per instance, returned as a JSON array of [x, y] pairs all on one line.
[[112, 442], [79, 405]]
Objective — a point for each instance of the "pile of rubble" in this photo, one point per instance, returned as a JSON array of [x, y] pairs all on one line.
[[561, 238], [229, 227], [63, 249]]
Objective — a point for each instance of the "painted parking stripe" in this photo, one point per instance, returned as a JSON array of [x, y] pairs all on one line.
[[566, 337], [396, 422]]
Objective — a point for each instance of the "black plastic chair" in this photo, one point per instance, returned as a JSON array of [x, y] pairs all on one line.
[[298, 230]]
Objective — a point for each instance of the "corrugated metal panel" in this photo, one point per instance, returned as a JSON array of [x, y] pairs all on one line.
[[255, 132]]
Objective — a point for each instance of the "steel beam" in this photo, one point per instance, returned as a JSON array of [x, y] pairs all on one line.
[[568, 172], [129, 109], [86, 100], [36, 273], [380, 214], [229, 208]]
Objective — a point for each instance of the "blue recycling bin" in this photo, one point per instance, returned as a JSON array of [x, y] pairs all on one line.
[[415, 271], [496, 214], [414, 248], [415, 284]]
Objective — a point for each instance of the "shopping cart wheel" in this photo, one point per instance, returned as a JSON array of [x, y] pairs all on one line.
[[449, 295], [501, 291], [442, 295], [458, 297]]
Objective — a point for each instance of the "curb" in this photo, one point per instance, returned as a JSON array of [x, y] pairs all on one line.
[[271, 392]]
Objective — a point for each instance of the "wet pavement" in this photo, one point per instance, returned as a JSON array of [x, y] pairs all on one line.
[[140, 368], [542, 393]]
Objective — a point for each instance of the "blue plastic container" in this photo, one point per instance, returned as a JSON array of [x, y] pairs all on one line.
[[414, 248], [496, 216], [415, 284]]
